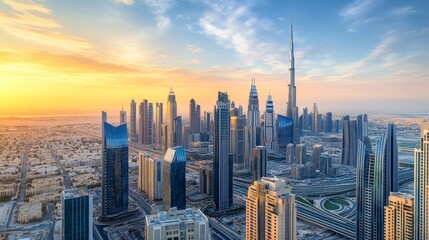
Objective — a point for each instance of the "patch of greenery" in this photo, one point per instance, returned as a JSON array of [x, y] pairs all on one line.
[[331, 206]]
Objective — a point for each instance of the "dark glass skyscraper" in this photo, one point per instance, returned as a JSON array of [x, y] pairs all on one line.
[[222, 159], [350, 141], [174, 181], [377, 176], [284, 132], [114, 180], [76, 214], [259, 162], [328, 122]]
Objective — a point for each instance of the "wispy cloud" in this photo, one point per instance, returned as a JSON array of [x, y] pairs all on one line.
[[234, 26], [358, 8], [160, 8], [194, 48], [32, 21], [126, 2]]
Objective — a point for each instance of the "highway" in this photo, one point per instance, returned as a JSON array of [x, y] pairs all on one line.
[[24, 169], [67, 180]]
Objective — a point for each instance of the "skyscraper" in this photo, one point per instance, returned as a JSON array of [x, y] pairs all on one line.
[[146, 122], [350, 140], [269, 125], [133, 121], [206, 180], [193, 116], [122, 116], [270, 210], [365, 189], [259, 162], [300, 154], [171, 115], [207, 122], [114, 176], [284, 128], [305, 118], [174, 181], [316, 122], [158, 124], [222, 159], [150, 176], [238, 124], [317, 153], [76, 214], [377, 177], [328, 122], [253, 126], [177, 132], [421, 185], [290, 153], [399, 217], [292, 109]]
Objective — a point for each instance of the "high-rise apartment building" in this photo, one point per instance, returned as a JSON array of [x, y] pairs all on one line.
[[206, 180], [146, 122], [114, 169], [174, 181], [158, 124], [238, 125], [253, 126], [122, 116], [178, 224], [270, 210], [421, 185], [150, 176], [171, 115], [269, 125], [316, 154], [222, 159], [290, 153], [76, 214], [399, 217], [133, 121], [259, 162], [316, 121], [177, 132], [300, 154]]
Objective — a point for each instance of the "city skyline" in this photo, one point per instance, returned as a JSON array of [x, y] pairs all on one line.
[[53, 50]]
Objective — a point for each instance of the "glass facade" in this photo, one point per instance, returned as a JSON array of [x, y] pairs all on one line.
[[76, 214], [115, 170], [174, 182], [284, 131]]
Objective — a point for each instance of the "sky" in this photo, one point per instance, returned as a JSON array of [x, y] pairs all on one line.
[[82, 57]]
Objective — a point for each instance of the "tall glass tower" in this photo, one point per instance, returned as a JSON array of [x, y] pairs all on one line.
[[269, 125], [114, 179], [174, 181], [76, 214], [222, 159], [253, 126], [133, 121], [377, 177], [421, 186], [171, 115]]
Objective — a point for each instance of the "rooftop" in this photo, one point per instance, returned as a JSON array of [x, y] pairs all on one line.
[[75, 193], [175, 216]]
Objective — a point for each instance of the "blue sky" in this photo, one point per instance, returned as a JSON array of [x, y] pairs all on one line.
[[351, 56]]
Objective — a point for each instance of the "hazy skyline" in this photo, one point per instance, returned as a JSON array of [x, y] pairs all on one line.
[[79, 57]]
